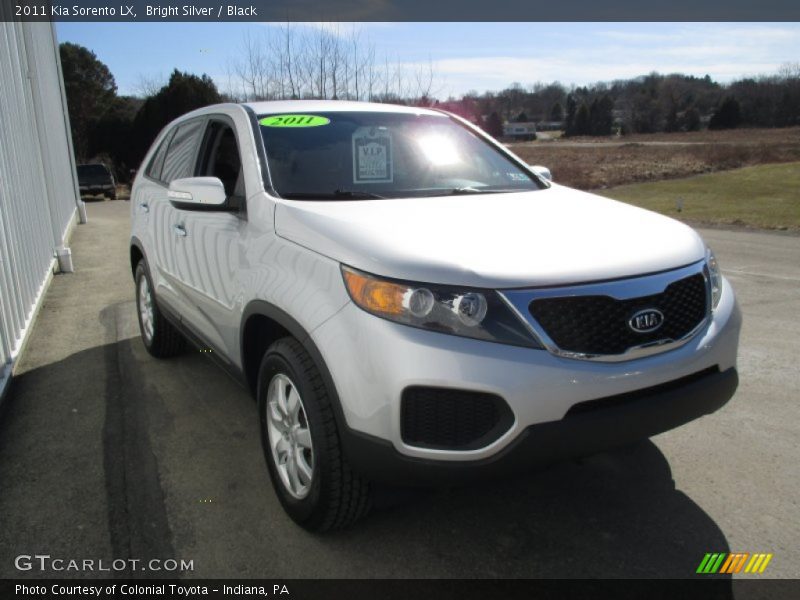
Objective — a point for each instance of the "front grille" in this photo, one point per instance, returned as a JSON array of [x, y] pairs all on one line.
[[599, 324], [449, 419]]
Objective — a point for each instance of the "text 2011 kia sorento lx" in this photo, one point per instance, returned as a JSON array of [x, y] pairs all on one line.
[[409, 302]]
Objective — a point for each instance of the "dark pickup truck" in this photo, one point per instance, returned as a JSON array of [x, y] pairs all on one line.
[[96, 179]]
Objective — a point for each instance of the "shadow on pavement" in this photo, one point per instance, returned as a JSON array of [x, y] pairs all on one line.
[[164, 429], [616, 514]]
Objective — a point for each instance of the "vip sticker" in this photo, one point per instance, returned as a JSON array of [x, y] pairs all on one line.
[[372, 155]]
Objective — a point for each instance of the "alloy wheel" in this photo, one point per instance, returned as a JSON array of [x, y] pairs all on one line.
[[289, 436]]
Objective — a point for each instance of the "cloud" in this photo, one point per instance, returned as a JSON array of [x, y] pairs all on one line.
[[456, 76], [723, 51], [692, 34]]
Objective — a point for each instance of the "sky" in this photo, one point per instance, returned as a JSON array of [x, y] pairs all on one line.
[[466, 56]]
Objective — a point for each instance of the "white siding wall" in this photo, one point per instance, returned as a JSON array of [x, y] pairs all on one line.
[[38, 188]]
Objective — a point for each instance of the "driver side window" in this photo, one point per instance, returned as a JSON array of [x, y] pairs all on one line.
[[220, 158]]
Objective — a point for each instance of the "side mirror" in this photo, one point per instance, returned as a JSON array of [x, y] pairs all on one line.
[[542, 172], [197, 193]]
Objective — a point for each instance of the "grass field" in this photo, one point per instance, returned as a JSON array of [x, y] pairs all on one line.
[[598, 163], [763, 196]]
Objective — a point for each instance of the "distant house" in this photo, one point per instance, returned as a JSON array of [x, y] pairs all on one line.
[[550, 125], [520, 131]]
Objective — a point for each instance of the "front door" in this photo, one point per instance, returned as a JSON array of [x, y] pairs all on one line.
[[208, 255]]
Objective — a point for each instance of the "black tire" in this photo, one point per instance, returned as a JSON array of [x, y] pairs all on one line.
[[338, 496], [166, 340]]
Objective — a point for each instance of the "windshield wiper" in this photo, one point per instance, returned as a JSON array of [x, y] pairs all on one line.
[[465, 190], [357, 195], [337, 195], [460, 191]]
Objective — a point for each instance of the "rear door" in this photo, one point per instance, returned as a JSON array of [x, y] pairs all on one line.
[[179, 161], [146, 213]]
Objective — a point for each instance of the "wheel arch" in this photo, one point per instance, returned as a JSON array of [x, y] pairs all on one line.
[[264, 323], [136, 254]]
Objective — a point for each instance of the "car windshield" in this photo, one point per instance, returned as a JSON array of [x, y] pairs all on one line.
[[366, 155]]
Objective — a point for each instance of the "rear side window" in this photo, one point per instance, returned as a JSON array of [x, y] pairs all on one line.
[[157, 162], [182, 151]]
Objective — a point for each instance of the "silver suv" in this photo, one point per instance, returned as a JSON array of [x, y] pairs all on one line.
[[410, 302]]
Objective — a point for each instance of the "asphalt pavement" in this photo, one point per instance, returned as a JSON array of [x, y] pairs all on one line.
[[108, 453]]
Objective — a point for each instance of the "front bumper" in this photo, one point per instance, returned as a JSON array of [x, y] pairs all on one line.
[[95, 190], [372, 361], [615, 421]]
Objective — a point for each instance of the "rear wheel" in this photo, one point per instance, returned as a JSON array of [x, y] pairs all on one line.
[[159, 335], [309, 471]]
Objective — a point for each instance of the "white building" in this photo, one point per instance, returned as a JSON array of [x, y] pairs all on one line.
[[520, 131], [39, 200]]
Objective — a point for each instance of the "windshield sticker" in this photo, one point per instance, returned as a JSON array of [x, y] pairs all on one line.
[[372, 155], [518, 177], [294, 121]]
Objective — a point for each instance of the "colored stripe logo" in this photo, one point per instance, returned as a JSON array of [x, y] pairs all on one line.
[[724, 563]]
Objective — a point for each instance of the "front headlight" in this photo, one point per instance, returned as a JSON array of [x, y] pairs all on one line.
[[479, 314], [714, 277]]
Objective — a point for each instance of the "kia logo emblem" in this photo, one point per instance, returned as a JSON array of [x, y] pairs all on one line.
[[646, 320]]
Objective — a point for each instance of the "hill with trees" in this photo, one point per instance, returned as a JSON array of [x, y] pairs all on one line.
[[647, 104]]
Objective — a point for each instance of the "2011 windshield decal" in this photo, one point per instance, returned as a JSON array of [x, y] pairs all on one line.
[[294, 121]]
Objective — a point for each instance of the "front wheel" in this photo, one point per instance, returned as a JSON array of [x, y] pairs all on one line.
[[309, 471]]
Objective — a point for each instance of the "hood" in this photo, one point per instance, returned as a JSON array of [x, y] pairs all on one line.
[[554, 236]]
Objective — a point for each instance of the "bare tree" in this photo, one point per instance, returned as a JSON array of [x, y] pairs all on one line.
[[423, 82], [371, 73], [149, 85], [789, 71], [250, 69], [322, 62], [289, 62], [355, 36], [334, 61]]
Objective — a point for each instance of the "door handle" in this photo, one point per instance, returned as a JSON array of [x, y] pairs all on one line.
[[179, 230], [144, 206]]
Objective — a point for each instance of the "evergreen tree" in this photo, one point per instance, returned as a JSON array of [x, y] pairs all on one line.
[[582, 121], [671, 124], [183, 93], [572, 108], [90, 91], [727, 115], [601, 116], [494, 125], [691, 120]]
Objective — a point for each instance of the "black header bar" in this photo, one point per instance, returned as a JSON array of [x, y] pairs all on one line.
[[399, 10]]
